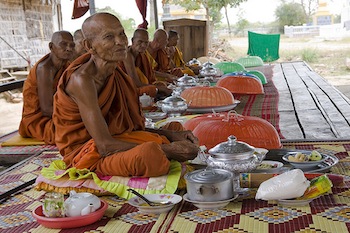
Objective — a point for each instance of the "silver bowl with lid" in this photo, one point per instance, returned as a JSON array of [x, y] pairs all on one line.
[[186, 81], [173, 105], [235, 156], [194, 62]]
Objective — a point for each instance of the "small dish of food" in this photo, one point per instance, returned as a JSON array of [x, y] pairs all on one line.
[[304, 159], [166, 203], [268, 166]]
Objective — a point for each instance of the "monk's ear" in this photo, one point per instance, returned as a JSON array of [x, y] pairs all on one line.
[[50, 46], [87, 45]]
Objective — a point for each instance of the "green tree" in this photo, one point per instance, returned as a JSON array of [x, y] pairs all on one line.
[[291, 14], [242, 23], [310, 7], [128, 24]]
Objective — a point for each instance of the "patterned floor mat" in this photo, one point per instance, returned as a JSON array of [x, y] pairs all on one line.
[[326, 214]]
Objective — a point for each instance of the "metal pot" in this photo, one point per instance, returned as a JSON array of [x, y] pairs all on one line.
[[173, 105], [208, 185]]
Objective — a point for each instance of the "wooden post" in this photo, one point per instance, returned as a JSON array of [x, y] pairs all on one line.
[[92, 7], [155, 14]]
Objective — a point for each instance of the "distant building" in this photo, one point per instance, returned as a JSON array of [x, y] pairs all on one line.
[[323, 15], [345, 14], [26, 27], [171, 12]]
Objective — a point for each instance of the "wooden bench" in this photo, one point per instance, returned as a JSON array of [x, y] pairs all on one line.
[[309, 106]]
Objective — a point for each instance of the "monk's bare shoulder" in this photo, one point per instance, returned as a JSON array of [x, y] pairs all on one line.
[[81, 80]]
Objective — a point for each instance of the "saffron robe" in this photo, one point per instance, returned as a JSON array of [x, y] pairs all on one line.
[[33, 124], [180, 63], [163, 64], [120, 107]]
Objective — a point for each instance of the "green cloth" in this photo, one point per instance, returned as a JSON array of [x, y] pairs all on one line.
[[266, 46]]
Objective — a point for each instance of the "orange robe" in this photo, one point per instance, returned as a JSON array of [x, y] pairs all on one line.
[[118, 101], [150, 90], [163, 64], [179, 62], [144, 69], [144, 64], [33, 124]]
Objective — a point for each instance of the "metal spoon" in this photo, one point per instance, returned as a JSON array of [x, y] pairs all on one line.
[[150, 203]]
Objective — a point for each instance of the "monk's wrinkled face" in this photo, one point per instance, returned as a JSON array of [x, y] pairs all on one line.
[[140, 42], [172, 41], [110, 42], [63, 46], [162, 41], [79, 46]]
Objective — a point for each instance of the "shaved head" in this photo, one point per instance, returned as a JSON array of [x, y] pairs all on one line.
[[140, 32], [96, 22], [57, 36], [78, 35], [104, 37], [160, 34]]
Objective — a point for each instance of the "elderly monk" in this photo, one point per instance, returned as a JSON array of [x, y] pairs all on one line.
[[79, 47], [97, 114], [140, 66], [175, 55], [157, 49], [41, 85]]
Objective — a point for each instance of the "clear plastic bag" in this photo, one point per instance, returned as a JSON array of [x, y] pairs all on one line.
[[291, 184]]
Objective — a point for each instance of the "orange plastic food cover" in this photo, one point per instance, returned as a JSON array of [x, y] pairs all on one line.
[[255, 131], [207, 96], [241, 84]]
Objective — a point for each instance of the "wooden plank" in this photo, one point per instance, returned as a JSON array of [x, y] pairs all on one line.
[[300, 95], [289, 124], [328, 102], [11, 85], [321, 112]]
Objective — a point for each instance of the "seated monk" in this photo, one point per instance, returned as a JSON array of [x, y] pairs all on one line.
[[175, 55], [79, 47], [157, 49], [98, 117], [139, 66], [41, 85]]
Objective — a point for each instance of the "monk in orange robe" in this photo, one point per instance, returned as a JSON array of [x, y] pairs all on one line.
[[97, 114], [140, 66], [176, 56], [40, 86], [157, 49], [79, 47]]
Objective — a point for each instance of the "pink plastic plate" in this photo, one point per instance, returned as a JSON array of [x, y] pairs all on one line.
[[69, 222]]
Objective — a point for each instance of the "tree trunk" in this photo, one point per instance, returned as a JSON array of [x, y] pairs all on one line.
[[228, 21], [208, 28]]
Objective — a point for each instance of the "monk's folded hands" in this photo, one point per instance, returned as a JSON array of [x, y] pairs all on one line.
[[180, 150]]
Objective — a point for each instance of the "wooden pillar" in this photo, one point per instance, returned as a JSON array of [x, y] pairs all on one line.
[[92, 7]]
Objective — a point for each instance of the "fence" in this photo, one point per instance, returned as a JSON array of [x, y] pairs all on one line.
[[325, 31]]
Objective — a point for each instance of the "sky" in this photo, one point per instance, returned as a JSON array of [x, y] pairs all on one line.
[[254, 11]]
